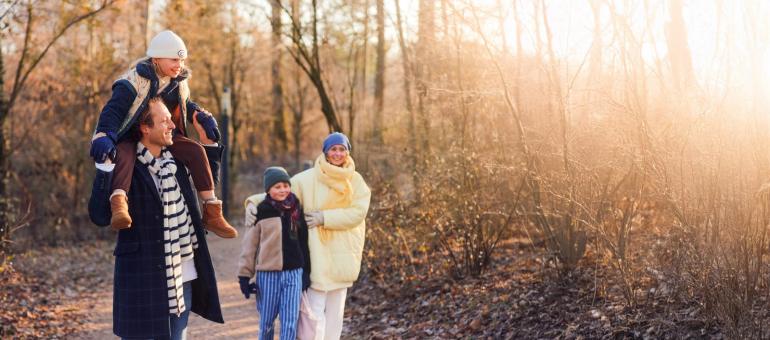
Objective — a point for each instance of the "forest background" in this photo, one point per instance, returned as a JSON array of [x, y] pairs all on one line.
[[618, 147]]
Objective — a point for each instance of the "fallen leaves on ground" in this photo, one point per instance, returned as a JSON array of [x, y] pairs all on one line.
[[44, 292], [517, 299]]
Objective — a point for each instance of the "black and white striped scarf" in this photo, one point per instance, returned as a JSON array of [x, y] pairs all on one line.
[[178, 232]]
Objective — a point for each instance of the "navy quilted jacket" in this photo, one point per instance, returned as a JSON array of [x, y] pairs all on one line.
[[123, 95]]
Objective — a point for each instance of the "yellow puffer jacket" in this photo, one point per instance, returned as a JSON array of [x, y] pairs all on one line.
[[336, 247]]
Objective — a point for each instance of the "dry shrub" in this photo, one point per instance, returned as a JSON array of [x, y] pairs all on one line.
[[470, 205], [716, 253], [721, 262], [466, 209], [396, 242]]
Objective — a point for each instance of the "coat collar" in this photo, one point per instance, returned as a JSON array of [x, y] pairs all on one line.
[[145, 69]]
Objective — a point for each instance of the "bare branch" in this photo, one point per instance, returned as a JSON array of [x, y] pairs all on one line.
[[18, 84], [9, 9]]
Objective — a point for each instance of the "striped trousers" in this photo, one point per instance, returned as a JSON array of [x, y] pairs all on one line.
[[279, 294]]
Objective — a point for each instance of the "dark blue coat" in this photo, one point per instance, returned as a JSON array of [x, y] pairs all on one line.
[[140, 302]]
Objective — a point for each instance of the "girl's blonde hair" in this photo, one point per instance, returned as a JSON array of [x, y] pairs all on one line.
[[154, 66]]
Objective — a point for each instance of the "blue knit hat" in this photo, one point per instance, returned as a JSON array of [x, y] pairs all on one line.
[[336, 138], [275, 174]]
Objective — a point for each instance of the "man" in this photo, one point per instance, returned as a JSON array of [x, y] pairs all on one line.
[[162, 265]]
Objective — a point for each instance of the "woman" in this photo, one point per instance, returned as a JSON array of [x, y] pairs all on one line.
[[162, 73], [336, 199]]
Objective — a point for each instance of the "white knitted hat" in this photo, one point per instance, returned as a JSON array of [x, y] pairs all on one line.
[[167, 45]]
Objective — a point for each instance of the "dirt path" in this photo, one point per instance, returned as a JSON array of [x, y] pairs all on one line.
[[241, 318]]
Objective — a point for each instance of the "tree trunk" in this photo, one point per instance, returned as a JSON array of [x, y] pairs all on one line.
[[501, 15], [425, 41], [326, 104], [461, 124], [519, 55], [298, 110], [236, 74], [594, 76], [556, 93], [5, 230], [679, 51], [358, 90], [379, 76], [759, 100], [353, 59], [411, 130], [147, 23], [279, 125]]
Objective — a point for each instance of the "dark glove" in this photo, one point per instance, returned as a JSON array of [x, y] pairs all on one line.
[[99, 203], [209, 124], [247, 288], [104, 147], [305, 280]]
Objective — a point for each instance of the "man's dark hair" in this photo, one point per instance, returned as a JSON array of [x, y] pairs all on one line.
[[145, 118]]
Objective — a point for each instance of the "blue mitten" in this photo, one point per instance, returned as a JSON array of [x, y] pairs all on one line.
[[104, 147], [209, 125]]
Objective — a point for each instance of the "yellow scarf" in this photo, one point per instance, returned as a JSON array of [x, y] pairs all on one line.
[[341, 190]]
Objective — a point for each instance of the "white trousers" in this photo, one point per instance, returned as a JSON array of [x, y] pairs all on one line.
[[330, 307]]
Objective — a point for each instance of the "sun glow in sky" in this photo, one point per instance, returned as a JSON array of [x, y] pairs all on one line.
[[727, 39], [721, 34]]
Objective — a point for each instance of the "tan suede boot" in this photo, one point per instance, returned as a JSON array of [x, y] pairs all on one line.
[[120, 217], [215, 222]]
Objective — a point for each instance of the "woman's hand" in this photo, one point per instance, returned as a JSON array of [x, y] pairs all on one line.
[[314, 219]]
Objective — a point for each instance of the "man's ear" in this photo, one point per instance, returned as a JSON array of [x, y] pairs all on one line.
[[144, 129]]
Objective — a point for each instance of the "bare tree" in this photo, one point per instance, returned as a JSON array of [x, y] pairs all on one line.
[[298, 102], [27, 62], [426, 37], [357, 60], [147, 23], [407, 84], [756, 29], [556, 90], [679, 50], [279, 128], [519, 54], [308, 58], [501, 15], [379, 76], [594, 78]]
